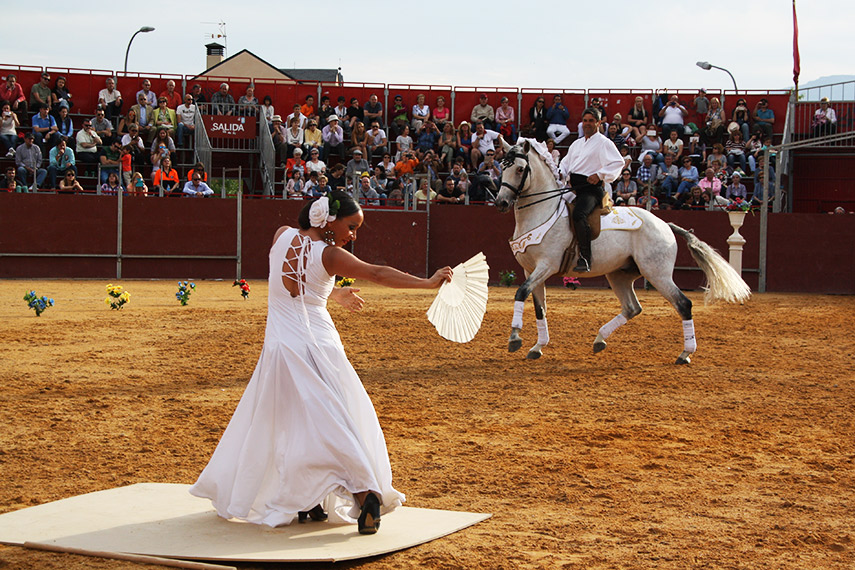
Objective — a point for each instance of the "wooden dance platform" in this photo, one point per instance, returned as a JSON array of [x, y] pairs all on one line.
[[164, 520]]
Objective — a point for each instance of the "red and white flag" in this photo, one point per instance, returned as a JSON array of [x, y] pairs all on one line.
[[796, 59]]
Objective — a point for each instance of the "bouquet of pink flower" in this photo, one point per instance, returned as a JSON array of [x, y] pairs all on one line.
[[244, 288], [571, 283], [738, 205]]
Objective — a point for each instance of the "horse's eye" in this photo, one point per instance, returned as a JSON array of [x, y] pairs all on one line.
[[520, 169]]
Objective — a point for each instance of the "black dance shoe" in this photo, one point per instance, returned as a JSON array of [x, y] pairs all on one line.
[[316, 513], [369, 517]]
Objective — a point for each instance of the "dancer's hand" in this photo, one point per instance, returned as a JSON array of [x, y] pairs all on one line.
[[440, 277], [347, 298]]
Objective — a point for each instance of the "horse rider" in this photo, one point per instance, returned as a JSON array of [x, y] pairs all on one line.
[[590, 161]]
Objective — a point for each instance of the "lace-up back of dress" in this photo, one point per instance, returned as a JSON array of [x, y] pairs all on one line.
[[303, 273]]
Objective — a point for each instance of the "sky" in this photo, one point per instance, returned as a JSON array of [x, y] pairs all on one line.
[[533, 44]]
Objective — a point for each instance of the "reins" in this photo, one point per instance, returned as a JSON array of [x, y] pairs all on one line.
[[517, 190]]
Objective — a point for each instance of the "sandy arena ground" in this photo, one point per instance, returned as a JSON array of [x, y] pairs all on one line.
[[744, 459]]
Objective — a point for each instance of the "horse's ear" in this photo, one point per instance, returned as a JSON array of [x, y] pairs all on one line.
[[505, 144], [526, 146]]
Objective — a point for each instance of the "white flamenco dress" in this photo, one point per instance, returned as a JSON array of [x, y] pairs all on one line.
[[305, 431]]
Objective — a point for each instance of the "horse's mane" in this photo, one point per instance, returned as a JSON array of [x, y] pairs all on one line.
[[540, 149]]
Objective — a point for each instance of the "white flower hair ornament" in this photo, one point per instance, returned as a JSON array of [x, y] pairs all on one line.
[[321, 212]]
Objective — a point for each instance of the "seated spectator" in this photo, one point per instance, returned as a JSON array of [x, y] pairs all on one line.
[[102, 127], [166, 178], [197, 189], [717, 153], [126, 158], [11, 92], [428, 139], [424, 194], [483, 112], [405, 168], [323, 185], [356, 166], [668, 176], [505, 121], [623, 130], [491, 168], [137, 185], [340, 111], [297, 162], [280, 137], [366, 194], [199, 169], [463, 183], [464, 142], [324, 112], [395, 197], [720, 171], [295, 187], [315, 164], [764, 117], [647, 200], [337, 177], [759, 187], [222, 103], [112, 186], [701, 104], [624, 152], [557, 117], [398, 117], [651, 144], [379, 181], [40, 94], [110, 99], [376, 142], [824, 120], [482, 141], [648, 172], [45, 129], [550, 148], [134, 140], [128, 120], [388, 166], [163, 117], [710, 182], [312, 137], [688, 177], [333, 137], [28, 159], [404, 143], [735, 148], [450, 193], [447, 145], [537, 119], [185, 116], [355, 114], [87, 143], [60, 96], [441, 114], [162, 138], [373, 111], [736, 189], [307, 109], [694, 199], [111, 160], [638, 119], [64, 124], [313, 185], [357, 137], [198, 95], [144, 114], [429, 164], [173, 97], [421, 114], [248, 103], [293, 136], [752, 148], [674, 145], [741, 116], [61, 161], [69, 183], [267, 111], [150, 97], [9, 124], [613, 135], [626, 190], [715, 123], [672, 117]]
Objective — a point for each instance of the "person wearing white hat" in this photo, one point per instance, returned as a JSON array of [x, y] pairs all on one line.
[[333, 137], [824, 119]]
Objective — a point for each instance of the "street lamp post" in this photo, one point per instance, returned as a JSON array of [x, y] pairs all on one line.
[[144, 29], [707, 66]]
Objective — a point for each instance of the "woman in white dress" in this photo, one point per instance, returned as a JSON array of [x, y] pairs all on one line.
[[305, 438]]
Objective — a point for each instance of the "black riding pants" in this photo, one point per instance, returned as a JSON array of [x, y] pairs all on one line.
[[588, 197]]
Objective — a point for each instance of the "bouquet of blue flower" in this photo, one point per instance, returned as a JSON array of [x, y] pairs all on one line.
[[184, 290], [36, 303]]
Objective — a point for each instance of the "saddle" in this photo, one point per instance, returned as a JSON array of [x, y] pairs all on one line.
[[594, 219]]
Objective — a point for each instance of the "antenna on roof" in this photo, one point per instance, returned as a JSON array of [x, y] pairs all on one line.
[[220, 35]]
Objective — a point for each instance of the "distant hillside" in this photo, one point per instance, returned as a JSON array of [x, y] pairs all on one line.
[[814, 90]]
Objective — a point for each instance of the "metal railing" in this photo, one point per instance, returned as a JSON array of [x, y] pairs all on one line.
[[267, 159], [201, 142]]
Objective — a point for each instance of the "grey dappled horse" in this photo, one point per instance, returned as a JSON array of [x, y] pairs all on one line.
[[529, 185]]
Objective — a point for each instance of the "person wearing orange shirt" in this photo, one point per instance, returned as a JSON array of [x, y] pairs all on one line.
[[166, 178]]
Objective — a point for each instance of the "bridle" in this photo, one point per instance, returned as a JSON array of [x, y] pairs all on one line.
[[518, 190]]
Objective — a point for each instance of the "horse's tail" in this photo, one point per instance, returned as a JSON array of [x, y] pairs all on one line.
[[723, 282]]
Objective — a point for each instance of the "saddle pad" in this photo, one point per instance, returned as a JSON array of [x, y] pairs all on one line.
[[621, 218]]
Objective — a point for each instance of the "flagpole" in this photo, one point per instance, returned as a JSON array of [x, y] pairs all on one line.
[[796, 57]]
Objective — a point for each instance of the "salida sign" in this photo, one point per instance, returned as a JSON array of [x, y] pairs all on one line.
[[229, 127]]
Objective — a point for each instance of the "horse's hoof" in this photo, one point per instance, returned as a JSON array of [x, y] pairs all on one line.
[[514, 345], [599, 346], [533, 355], [683, 360]]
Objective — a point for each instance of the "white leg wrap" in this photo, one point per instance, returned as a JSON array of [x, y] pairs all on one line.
[[611, 326], [542, 332], [689, 344], [516, 322]]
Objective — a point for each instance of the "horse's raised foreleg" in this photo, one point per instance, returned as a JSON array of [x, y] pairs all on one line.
[[621, 282], [533, 280], [538, 296]]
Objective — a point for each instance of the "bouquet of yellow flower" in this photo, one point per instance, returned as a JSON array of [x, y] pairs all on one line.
[[345, 282], [116, 296]]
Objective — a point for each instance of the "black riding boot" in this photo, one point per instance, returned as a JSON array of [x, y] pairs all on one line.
[[583, 264]]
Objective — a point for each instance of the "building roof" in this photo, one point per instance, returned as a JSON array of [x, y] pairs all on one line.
[[324, 75], [235, 66]]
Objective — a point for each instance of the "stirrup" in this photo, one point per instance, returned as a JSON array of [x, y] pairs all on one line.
[[582, 265]]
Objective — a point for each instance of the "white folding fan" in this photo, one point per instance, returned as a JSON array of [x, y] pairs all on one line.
[[460, 305]]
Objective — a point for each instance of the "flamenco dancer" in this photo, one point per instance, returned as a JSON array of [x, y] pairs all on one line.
[[304, 441]]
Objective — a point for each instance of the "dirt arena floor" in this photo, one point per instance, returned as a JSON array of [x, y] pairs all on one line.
[[743, 459]]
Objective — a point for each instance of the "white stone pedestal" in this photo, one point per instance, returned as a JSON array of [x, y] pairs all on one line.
[[736, 241]]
